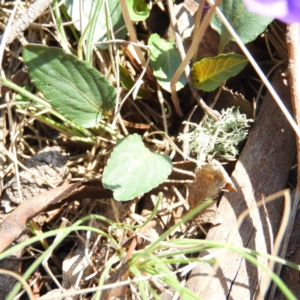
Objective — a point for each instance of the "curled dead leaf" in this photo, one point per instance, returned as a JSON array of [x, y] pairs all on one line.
[[210, 180]]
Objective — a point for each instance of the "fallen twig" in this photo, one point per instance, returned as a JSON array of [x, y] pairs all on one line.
[[33, 12], [16, 223], [184, 66]]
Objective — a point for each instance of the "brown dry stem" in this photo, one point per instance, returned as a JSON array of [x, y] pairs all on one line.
[[184, 66]]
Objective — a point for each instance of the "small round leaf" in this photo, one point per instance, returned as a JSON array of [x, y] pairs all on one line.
[[133, 169], [138, 10], [165, 60]]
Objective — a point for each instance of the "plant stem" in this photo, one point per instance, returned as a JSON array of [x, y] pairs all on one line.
[[258, 71], [91, 33], [60, 27], [44, 103], [133, 37], [185, 67]]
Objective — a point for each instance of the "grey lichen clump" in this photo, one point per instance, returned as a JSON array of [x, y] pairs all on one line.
[[217, 138]]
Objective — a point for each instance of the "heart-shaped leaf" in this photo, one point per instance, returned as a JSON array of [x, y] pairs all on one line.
[[133, 169], [164, 61], [81, 13], [76, 90], [246, 24], [210, 72], [138, 10]]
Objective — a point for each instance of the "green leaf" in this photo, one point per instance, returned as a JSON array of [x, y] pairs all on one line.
[[76, 90], [210, 72], [128, 83], [246, 24], [133, 169], [88, 7], [138, 10], [164, 61]]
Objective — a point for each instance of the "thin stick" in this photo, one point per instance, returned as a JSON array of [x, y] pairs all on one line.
[[179, 45], [9, 112], [33, 12], [185, 61], [197, 24], [20, 279], [2, 116], [133, 37], [161, 102], [6, 35], [258, 70]]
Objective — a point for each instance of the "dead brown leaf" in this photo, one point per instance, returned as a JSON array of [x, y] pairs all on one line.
[[16, 223], [210, 180]]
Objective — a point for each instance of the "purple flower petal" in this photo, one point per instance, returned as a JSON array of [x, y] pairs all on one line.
[[206, 7], [287, 11]]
